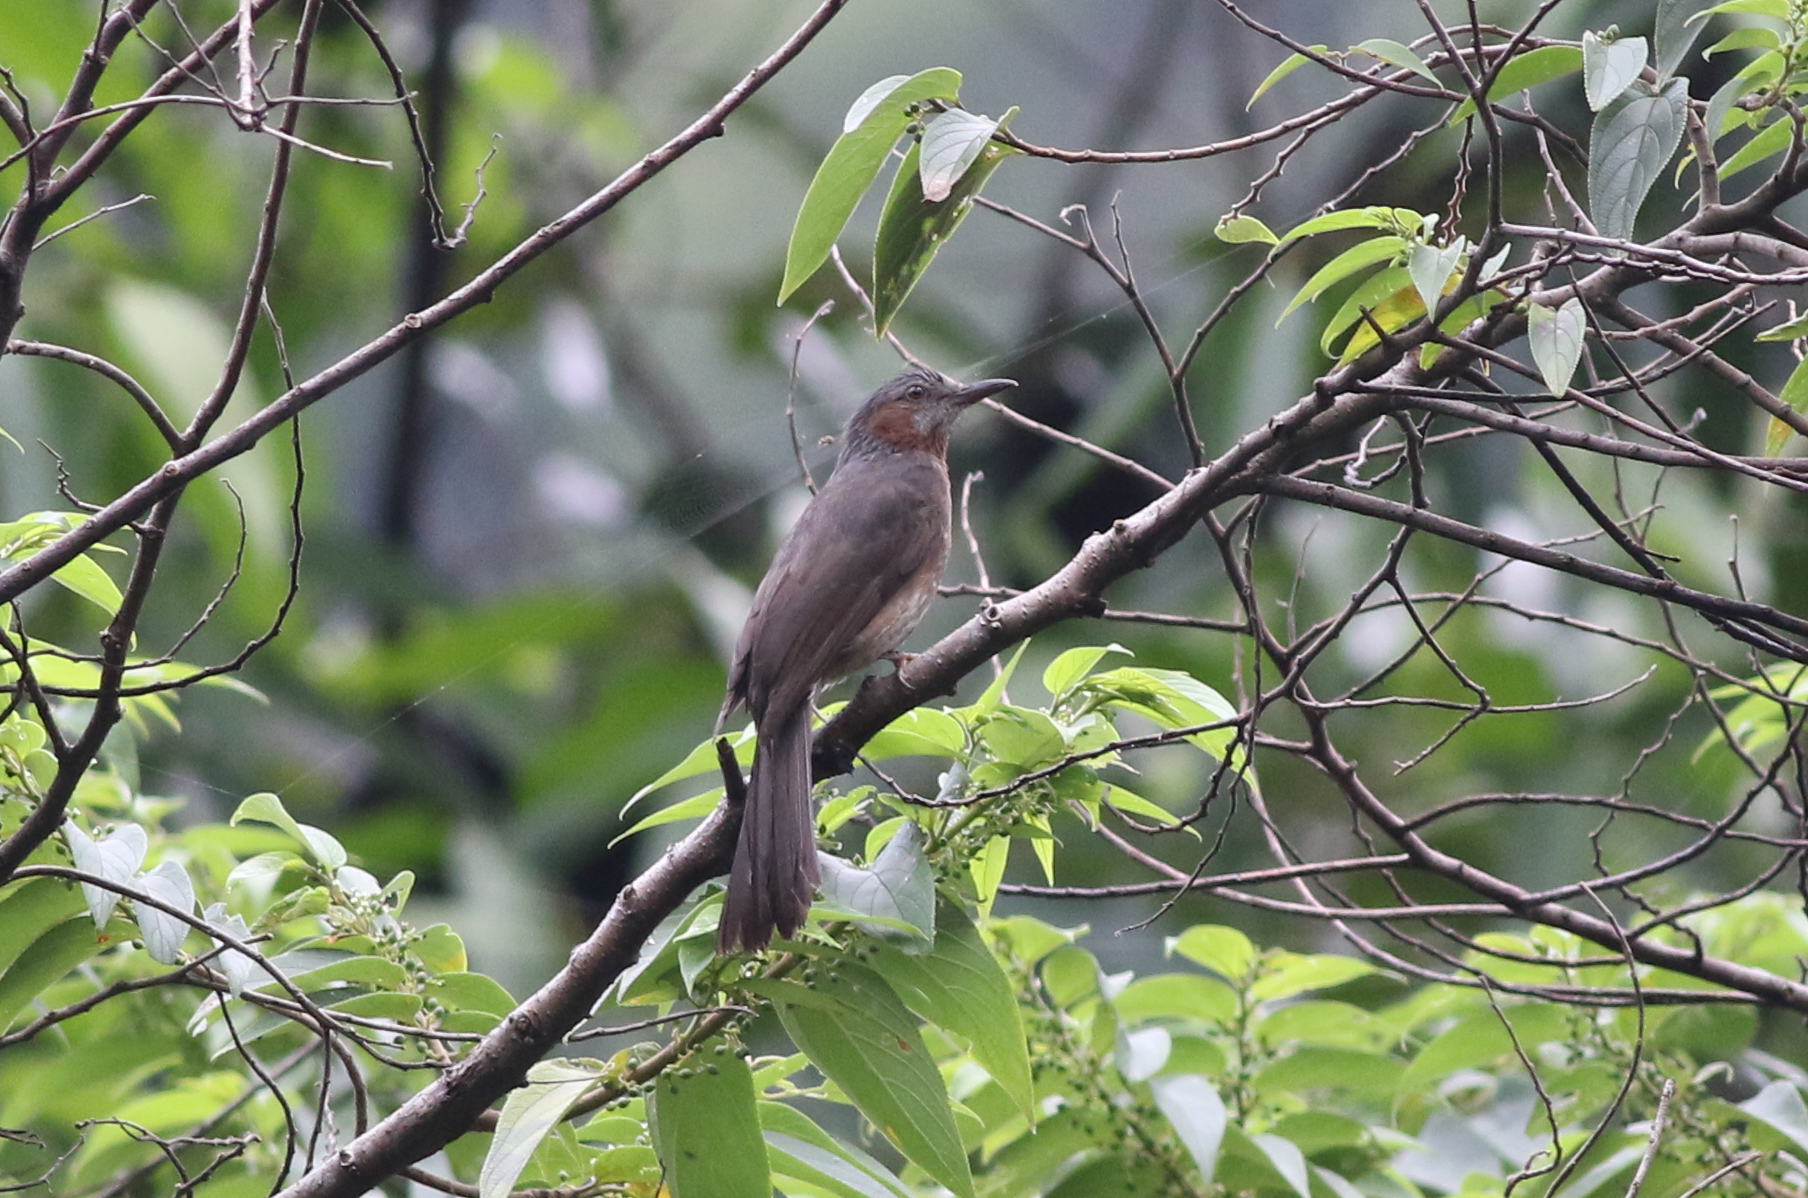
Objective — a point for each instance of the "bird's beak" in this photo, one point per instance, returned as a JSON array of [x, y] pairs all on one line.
[[972, 393]]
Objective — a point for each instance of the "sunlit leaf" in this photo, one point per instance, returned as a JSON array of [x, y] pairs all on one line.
[[1526, 71], [1795, 395], [853, 163], [1244, 230], [1290, 64]]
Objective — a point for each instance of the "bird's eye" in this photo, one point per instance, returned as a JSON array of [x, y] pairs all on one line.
[[915, 392]]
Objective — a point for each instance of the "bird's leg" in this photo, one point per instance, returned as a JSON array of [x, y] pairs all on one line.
[[898, 659]]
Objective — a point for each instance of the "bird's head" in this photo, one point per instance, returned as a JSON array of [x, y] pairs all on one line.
[[916, 410]]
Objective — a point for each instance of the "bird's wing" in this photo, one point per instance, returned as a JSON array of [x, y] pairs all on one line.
[[876, 527]]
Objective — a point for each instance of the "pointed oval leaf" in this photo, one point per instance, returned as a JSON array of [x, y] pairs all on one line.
[[959, 985], [1397, 54], [1225, 951], [1528, 70], [1795, 394], [528, 1114], [1768, 142], [83, 576], [1290, 64], [1362, 254], [1609, 67], [852, 164], [952, 143], [1555, 336], [1631, 143], [866, 1042], [706, 1130], [1240, 230], [913, 227]]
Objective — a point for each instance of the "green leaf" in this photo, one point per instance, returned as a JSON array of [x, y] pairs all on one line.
[[471, 992], [1290, 973], [1760, 72], [1401, 221], [700, 760], [853, 163], [1072, 665], [694, 807], [1777, 10], [1243, 230], [959, 985], [897, 893], [707, 1131], [1371, 296], [320, 846], [1768, 142], [1674, 32], [1197, 1115], [1795, 394], [865, 1041], [1752, 37], [1397, 54], [50, 956], [1172, 698], [951, 144], [993, 695], [1631, 143], [1225, 951], [84, 577], [1177, 996], [913, 227], [528, 1114], [1791, 330], [920, 732], [1022, 737], [1526, 71], [1362, 254], [30, 909], [987, 867], [1555, 336], [1289, 65], [1609, 67]]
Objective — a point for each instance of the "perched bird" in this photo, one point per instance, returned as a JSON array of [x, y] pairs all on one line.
[[848, 584]]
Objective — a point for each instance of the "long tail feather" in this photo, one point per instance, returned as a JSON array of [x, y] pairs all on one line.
[[774, 875]]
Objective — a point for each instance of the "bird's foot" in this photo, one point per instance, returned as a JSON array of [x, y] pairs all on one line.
[[898, 660]]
